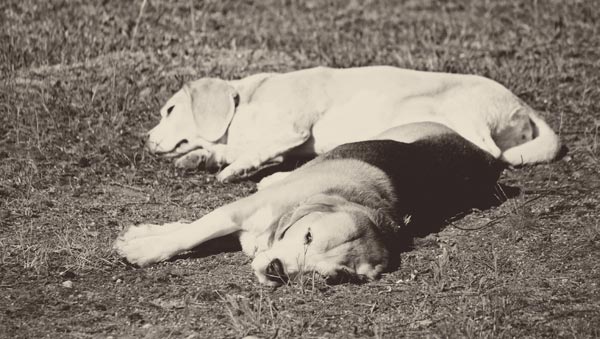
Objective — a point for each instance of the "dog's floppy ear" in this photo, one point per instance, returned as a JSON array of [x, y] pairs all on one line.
[[213, 103], [317, 203]]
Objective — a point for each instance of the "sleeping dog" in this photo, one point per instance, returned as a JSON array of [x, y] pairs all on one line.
[[243, 124], [340, 214]]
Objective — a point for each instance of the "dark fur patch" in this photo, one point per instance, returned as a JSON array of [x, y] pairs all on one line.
[[433, 179]]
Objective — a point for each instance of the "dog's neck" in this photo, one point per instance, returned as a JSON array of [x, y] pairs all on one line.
[[247, 86]]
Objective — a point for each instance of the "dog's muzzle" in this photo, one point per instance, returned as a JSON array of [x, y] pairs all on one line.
[[275, 272], [154, 148]]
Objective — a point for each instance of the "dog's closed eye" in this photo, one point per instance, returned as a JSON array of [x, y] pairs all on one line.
[[308, 238], [170, 109]]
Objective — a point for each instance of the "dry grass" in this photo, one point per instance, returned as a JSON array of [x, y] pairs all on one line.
[[81, 81]]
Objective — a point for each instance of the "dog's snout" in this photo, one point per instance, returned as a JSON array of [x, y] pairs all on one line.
[[275, 271]]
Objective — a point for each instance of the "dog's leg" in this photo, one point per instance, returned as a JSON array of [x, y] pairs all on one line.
[[193, 159], [481, 136], [253, 160], [271, 179], [490, 145], [147, 244], [209, 156]]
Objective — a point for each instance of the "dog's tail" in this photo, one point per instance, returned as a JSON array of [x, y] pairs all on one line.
[[544, 147]]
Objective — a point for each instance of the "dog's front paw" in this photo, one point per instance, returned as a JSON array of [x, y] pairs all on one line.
[[193, 159], [227, 175], [236, 172], [512, 157], [147, 244], [142, 251]]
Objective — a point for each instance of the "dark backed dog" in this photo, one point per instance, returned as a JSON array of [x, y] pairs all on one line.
[[341, 213]]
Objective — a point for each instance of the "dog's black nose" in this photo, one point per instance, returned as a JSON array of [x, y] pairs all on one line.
[[275, 271]]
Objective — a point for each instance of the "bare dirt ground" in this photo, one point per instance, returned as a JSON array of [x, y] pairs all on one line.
[[80, 81]]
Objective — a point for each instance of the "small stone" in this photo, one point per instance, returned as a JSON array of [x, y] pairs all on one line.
[[67, 284]]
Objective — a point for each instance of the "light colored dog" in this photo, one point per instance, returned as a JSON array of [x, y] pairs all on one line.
[[340, 214], [261, 118]]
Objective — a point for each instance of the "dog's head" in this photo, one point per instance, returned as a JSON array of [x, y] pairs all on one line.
[[202, 109], [341, 240]]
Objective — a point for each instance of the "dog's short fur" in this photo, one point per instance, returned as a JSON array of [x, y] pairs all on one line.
[[261, 118], [341, 213]]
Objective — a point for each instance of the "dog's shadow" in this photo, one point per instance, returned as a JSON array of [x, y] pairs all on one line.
[[289, 164], [225, 244], [436, 218]]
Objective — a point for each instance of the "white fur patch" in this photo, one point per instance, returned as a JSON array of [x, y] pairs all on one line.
[[256, 240]]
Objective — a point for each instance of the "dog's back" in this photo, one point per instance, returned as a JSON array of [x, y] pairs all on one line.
[[444, 173]]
